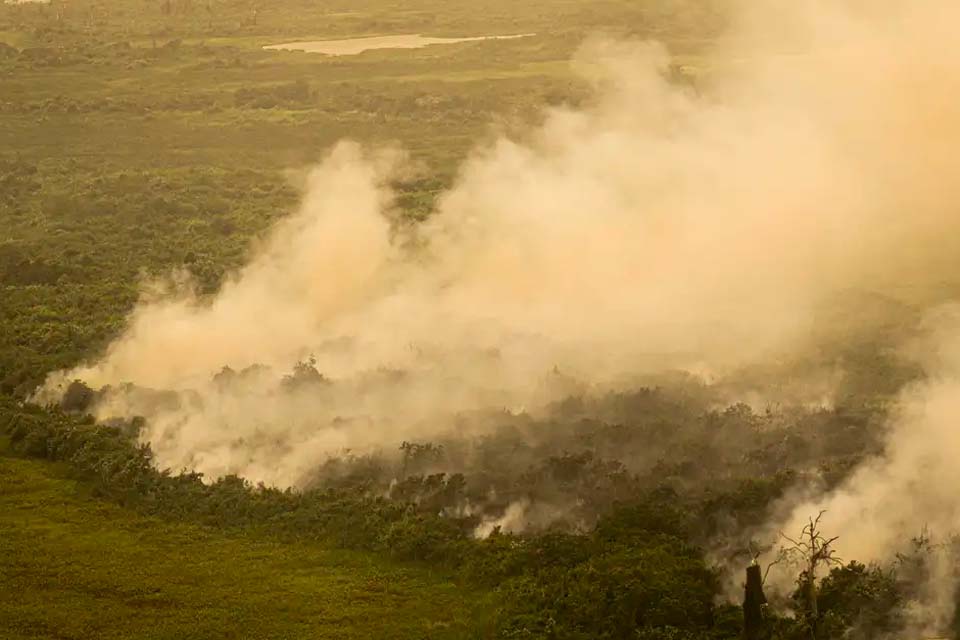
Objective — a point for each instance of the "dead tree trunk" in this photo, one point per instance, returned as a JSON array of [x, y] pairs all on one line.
[[754, 624]]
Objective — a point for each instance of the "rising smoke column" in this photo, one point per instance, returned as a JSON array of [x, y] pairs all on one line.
[[910, 490], [655, 227]]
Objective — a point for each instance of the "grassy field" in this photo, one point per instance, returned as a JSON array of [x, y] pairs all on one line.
[[75, 567]]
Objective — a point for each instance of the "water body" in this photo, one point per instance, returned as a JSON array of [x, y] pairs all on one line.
[[354, 46]]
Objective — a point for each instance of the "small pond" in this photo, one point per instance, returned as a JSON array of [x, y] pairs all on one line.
[[354, 46]]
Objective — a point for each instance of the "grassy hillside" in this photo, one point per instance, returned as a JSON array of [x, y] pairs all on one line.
[[76, 567]]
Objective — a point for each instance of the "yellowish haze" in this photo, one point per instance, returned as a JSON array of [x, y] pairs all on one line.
[[659, 226]]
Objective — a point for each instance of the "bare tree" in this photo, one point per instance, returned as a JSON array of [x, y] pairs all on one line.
[[810, 550], [754, 604]]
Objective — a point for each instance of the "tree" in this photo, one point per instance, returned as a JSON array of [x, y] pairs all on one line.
[[811, 550], [754, 602], [78, 397]]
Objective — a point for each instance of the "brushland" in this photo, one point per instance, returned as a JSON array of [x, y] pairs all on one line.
[[142, 139]]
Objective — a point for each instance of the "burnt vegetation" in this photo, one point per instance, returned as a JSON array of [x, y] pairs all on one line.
[[143, 138]]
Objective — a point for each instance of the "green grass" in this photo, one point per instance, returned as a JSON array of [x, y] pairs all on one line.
[[74, 567]]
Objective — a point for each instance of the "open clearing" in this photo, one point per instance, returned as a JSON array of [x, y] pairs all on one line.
[[75, 567]]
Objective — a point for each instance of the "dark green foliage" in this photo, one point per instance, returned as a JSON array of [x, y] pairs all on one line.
[[632, 572], [637, 572], [651, 585], [864, 599], [77, 397], [660, 512]]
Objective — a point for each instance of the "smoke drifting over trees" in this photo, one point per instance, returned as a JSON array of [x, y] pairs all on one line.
[[658, 228]]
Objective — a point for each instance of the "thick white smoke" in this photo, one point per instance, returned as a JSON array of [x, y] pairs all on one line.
[[910, 490], [657, 227]]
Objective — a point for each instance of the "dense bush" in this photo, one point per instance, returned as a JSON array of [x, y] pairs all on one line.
[[637, 573], [290, 95], [632, 572]]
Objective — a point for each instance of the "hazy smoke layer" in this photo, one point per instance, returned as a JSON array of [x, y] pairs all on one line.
[[657, 227], [909, 491]]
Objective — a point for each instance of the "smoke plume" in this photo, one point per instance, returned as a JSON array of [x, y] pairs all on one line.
[[908, 492], [659, 226]]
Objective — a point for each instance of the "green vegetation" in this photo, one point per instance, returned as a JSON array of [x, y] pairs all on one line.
[[120, 159], [74, 566], [639, 568], [137, 138]]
